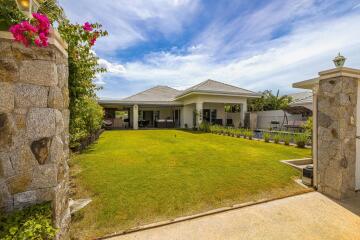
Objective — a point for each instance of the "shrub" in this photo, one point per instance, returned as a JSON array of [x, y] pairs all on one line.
[[249, 134], [30, 223], [308, 126], [301, 139], [266, 136], [204, 126], [277, 138], [286, 138], [86, 119]]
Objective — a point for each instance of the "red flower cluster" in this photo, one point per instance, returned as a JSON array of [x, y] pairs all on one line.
[[36, 33], [92, 36], [87, 27]]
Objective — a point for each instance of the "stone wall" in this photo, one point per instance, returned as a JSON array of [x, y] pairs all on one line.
[[336, 134], [34, 120]]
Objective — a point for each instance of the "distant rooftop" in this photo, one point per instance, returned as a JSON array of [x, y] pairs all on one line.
[[301, 98]]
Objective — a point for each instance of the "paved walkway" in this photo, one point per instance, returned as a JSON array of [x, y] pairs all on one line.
[[307, 216]]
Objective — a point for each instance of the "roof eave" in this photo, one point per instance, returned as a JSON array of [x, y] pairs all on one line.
[[129, 103], [247, 95], [307, 84]]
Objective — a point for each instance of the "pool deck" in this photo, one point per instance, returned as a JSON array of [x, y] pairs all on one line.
[[307, 216]]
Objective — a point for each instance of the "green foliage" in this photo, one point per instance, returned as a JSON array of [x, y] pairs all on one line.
[[85, 114], [266, 136], [277, 138], [301, 139], [286, 138], [269, 101], [86, 119], [248, 134], [204, 126], [308, 126], [9, 14], [32, 223]]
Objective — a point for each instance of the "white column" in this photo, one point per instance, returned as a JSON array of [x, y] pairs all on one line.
[[224, 117], [135, 117], [243, 111], [199, 108]]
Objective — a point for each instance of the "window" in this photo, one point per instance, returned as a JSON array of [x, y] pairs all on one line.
[[213, 116]]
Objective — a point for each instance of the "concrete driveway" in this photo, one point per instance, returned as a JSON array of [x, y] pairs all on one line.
[[307, 216]]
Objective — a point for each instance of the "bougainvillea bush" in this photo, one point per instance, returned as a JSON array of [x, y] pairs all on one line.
[[33, 31], [85, 113]]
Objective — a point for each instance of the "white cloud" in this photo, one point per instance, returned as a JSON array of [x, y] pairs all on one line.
[[129, 22], [294, 57], [250, 49], [112, 68]]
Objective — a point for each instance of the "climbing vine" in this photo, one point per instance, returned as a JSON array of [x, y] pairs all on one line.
[[85, 113]]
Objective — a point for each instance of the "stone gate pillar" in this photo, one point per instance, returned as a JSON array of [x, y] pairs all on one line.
[[34, 127], [336, 126], [337, 98]]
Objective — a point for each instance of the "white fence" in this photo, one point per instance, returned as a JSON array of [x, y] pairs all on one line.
[[264, 118]]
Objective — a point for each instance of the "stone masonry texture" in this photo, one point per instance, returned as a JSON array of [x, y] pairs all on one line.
[[336, 105], [34, 123]]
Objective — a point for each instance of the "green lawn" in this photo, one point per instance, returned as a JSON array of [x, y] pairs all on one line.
[[139, 177]]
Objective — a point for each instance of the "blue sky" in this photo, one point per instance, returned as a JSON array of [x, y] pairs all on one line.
[[254, 44]]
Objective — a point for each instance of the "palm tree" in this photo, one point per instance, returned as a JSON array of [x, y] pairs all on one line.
[[269, 101]]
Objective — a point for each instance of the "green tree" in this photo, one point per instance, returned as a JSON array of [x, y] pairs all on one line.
[[85, 114], [269, 101]]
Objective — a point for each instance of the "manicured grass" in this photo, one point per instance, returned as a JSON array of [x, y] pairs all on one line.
[[140, 177]]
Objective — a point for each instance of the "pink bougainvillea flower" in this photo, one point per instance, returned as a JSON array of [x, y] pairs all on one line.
[[36, 31], [87, 27], [38, 42], [92, 41], [23, 32]]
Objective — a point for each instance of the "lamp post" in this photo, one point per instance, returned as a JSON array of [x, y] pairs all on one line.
[[28, 6]]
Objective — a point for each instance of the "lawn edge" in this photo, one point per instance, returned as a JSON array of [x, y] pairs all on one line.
[[199, 215]]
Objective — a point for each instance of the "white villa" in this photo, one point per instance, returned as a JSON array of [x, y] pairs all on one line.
[[166, 107]]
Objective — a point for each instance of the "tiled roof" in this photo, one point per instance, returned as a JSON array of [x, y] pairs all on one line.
[[213, 86], [158, 93]]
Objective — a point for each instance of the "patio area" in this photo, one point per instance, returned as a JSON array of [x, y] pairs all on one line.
[[306, 216]]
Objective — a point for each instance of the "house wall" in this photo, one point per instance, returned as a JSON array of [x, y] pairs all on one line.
[[215, 102], [187, 115]]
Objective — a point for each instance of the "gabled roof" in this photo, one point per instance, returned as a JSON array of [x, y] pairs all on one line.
[[155, 94], [212, 86], [164, 95]]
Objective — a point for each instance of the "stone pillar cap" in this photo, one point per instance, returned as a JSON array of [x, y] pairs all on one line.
[[339, 72], [54, 39]]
